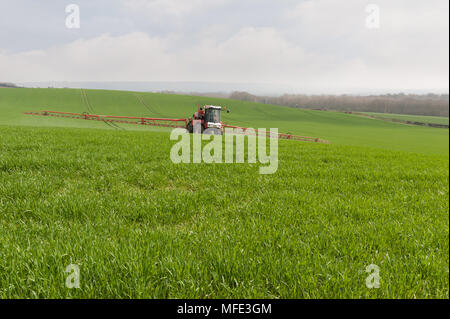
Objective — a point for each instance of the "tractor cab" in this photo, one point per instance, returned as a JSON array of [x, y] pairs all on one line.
[[209, 115], [212, 116]]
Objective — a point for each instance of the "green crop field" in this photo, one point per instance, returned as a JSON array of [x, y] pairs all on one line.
[[342, 129], [110, 200], [412, 118]]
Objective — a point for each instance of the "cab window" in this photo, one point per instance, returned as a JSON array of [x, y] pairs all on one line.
[[213, 116]]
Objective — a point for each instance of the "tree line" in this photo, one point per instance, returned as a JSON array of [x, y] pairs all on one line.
[[7, 85], [415, 104]]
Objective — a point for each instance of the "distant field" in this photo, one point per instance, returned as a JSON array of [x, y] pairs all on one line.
[[342, 129], [412, 118], [111, 201]]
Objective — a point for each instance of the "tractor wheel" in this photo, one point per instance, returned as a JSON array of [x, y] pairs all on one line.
[[190, 128]]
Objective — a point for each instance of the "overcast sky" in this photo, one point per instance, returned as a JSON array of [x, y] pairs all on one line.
[[309, 45]]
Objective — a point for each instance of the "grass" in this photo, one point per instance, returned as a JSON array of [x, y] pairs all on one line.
[[140, 226]]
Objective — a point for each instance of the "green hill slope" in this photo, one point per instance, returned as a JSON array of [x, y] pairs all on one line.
[[343, 129]]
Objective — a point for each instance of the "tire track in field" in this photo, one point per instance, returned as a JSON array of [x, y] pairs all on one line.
[[113, 125], [147, 106], [86, 101], [91, 110]]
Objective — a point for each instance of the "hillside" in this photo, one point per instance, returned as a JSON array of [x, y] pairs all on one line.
[[342, 129], [7, 85]]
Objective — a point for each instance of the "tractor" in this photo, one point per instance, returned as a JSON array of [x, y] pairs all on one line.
[[209, 117]]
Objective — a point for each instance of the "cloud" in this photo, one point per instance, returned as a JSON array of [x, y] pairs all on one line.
[[312, 45], [249, 55], [103, 58], [178, 8]]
